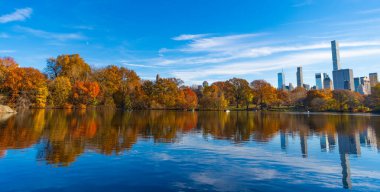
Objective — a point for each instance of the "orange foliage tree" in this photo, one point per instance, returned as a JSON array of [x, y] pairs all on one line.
[[264, 93], [26, 86], [85, 93], [190, 99], [213, 98], [72, 66]]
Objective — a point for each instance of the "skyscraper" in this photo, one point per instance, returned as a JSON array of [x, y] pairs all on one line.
[[344, 79], [364, 86], [318, 81], [356, 84], [335, 55], [306, 86], [299, 77], [281, 80], [291, 87], [325, 75], [373, 79], [327, 82]]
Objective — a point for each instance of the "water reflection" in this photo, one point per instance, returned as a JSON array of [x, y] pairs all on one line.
[[61, 136]]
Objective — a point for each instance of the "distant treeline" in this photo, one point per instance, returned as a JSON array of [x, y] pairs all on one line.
[[69, 82]]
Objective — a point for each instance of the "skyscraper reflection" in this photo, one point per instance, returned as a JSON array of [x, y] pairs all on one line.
[[348, 144], [284, 140]]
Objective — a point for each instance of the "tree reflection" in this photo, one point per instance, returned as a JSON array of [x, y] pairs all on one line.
[[63, 135]]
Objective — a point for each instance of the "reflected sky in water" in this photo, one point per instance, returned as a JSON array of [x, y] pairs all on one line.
[[105, 150]]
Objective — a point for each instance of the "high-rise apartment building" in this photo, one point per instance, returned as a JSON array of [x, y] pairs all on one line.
[[356, 84], [299, 77], [281, 80], [343, 78], [306, 86], [335, 55], [373, 79], [365, 86], [318, 81], [327, 82]]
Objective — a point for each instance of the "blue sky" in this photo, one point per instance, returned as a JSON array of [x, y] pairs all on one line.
[[196, 40]]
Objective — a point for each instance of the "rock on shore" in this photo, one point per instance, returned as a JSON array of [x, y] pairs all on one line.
[[6, 109]]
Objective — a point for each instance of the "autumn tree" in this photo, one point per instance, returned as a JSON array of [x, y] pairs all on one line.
[[264, 93], [190, 99], [26, 86], [85, 93], [60, 91], [7, 64], [129, 88], [165, 93], [282, 97], [297, 96], [240, 90], [148, 90], [71, 66], [213, 98], [120, 86], [318, 100], [226, 88], [346, 100], [373, 100]]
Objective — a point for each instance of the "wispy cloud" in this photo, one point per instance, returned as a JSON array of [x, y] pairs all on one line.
[[360, 22], [51, 35], [235, 48], [255, 66], [83, 27], [7, 51], [18, 15], [303, 3], [185, 37], [369, 11], [126, 63], [216, 43]]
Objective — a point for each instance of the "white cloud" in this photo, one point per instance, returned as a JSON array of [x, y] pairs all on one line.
[[18, 15], [255, 66], [251, 67], [217, 56], [84, 27], [184, 37], [126, 63], [218, 43], [232, 48], [360, 22], [369, 11], [7, 51], [51, 35]]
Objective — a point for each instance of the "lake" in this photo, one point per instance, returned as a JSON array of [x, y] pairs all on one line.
[[106, 150]]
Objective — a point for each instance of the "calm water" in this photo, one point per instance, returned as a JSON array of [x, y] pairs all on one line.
[[185, 151]]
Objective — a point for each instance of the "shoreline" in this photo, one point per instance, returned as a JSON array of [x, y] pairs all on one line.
[[206, 110]]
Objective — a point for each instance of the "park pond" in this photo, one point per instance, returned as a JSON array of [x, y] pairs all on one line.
[[110, 150]]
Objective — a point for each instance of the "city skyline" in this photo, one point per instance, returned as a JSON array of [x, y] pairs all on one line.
[[151, 38], [343, 79]]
